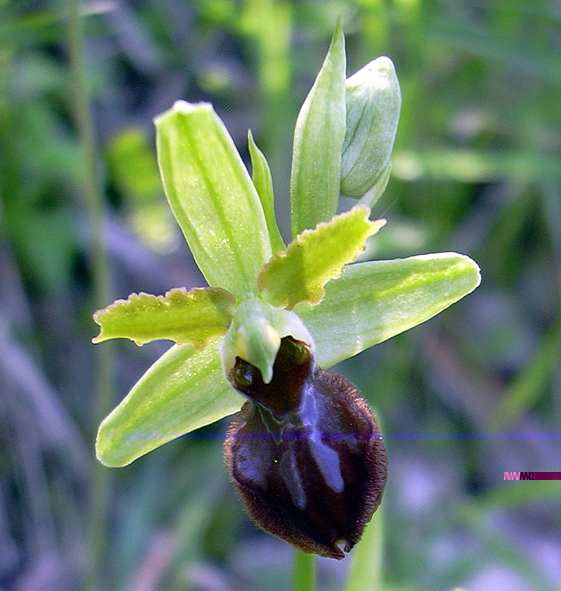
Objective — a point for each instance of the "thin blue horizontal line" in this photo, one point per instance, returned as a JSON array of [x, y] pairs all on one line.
[[421, 435], [472, 436]]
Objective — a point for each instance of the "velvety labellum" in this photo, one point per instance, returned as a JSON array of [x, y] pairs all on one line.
[[305, 453]]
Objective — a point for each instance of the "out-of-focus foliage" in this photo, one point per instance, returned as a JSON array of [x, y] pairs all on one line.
[[475, 392]]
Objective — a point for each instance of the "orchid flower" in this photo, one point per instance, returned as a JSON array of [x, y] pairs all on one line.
[[270, 310]]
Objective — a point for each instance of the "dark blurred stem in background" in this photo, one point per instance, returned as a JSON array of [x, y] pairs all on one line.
[[93, 200]]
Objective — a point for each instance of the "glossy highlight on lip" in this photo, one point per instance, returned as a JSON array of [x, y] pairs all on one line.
[[305, 453]]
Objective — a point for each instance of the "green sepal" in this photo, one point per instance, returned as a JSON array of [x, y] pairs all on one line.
[[318, 140], [263, 181], [180, 392], [299, 273], [371, 302], [185, 317], [212, 197], [255, 335]]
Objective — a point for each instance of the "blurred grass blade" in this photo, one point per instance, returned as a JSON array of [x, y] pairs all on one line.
[[185, 317], [366, 567], [261, 176], [468, 165], [510, 495], [535, 59], [299, 273], [525, 390], [182, 391], [212, 197], [318, 141], [371, 302]]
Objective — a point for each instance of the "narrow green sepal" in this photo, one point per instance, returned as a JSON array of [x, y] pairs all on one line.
[[318, 141], [263, 181], [182, 391], [374, 301], [185, 317], [299, 273], [212, 197]]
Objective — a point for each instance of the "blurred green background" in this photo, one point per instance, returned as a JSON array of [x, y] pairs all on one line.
[[471, 394]]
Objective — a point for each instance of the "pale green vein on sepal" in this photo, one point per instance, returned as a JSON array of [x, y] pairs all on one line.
[[212, 197], [182, 391], [263, 181], [371, 302], [299, 273], [182, 316], [318, 141]]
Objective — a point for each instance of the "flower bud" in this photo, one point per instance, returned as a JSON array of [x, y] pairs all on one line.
[[373, 101], [305, 453]]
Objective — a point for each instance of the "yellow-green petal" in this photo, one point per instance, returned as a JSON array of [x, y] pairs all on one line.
[[299, 273], [182, 316]]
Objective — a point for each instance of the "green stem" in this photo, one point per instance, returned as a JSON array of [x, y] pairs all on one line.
[[304, 571], [367, 565], [93, 201]]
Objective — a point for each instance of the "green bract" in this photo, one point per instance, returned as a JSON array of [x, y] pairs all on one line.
[[315, 182], [260, 291]]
